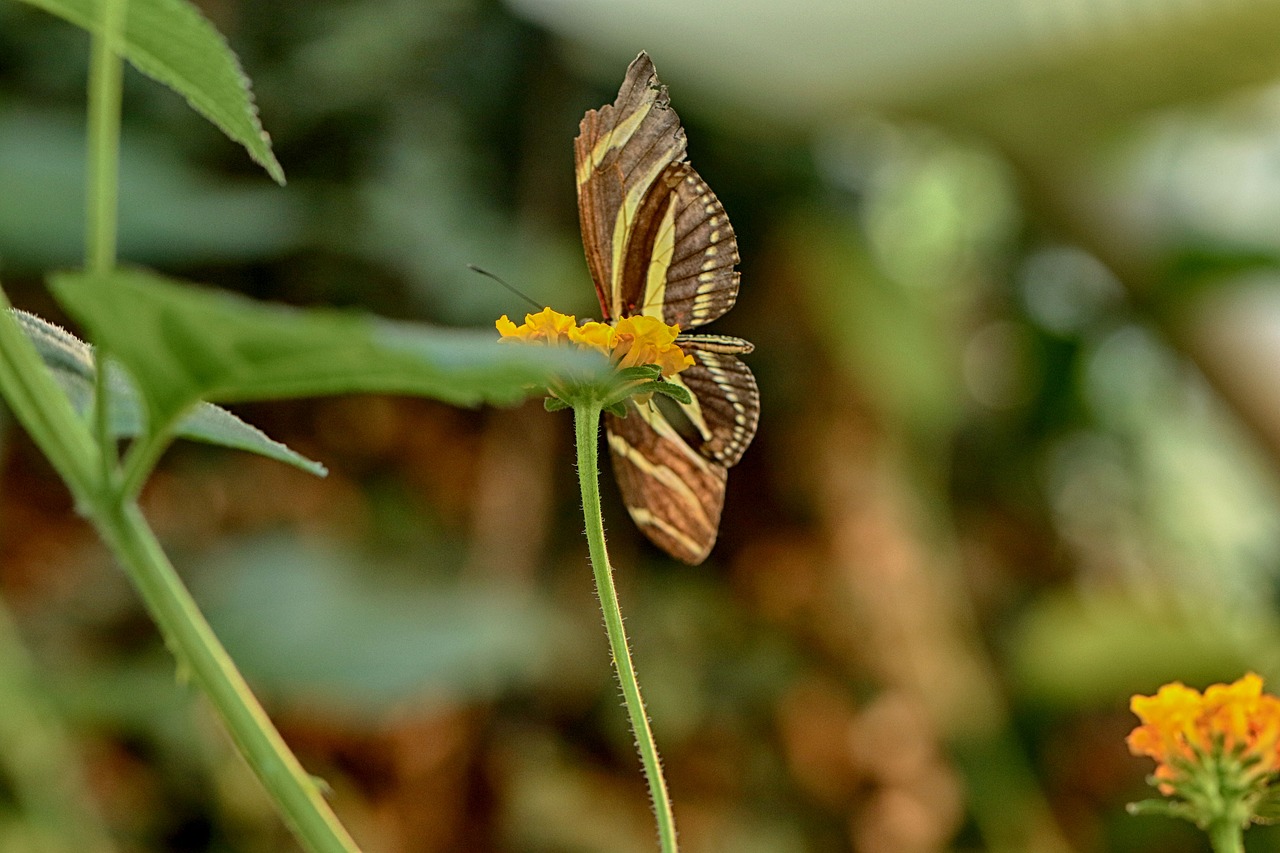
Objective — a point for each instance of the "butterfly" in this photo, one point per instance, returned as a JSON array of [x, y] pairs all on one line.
[[658, 243]]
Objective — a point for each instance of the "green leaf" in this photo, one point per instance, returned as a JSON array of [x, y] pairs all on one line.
[[641, 371], [172, 43], [669, 389], [183, 343], [73, 366], [41, 408], [554, 404]]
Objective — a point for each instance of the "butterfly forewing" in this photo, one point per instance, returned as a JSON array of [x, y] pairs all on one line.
[[690, 278], [658, 243], [620, 153]]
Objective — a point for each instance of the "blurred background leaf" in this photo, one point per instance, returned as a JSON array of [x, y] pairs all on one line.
[[169, 212]]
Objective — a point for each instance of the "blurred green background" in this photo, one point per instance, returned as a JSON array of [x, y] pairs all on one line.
[[1011, 268]]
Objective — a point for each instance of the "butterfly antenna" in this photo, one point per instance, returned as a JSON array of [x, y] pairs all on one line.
[[488, 274]]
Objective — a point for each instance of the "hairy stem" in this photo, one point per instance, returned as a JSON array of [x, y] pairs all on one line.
[[587, 426]]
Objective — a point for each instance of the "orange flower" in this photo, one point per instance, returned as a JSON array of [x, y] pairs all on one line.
[[1181, 729], [634, 341]]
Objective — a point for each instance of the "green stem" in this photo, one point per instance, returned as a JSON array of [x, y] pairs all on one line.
[[200, 654], [140, 460], [93, 478], [1226, 836], [586, 419], [102, 189]]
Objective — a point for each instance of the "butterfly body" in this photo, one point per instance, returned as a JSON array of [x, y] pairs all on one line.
[[659, 243]]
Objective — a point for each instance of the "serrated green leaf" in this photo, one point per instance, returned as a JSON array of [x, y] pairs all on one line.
[[554, 404], [172, 43], [670, 389], [72, 363], [183, 343]]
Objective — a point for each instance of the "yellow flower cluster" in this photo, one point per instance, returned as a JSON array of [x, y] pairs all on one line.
[[1180, 726], [633, 341]]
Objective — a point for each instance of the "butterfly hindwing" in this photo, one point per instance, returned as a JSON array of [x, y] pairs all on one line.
[[672, 476], [726, 402], [673, 493]]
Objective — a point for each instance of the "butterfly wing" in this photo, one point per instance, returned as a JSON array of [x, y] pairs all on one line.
[[672, 475], [657, 239], [725, 407], [674, 493], [680, 256], [620, 153]]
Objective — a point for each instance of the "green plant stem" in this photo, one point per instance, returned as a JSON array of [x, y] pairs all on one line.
[[586, 419], [92, 474], [140, 460], [102, 188], [1226, 836], [200, 655], [103, 173], [46, 414]]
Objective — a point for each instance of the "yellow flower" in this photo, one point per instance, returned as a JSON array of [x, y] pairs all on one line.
[[634, 341], [594, 335], [648, 340], [547, 326], [1182, 730]]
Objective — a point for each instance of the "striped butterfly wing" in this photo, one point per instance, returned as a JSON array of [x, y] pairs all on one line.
[[725, 411], [672, 470], [673, 493], [680, 256], [657, 239], [621, 152], [658, 242]]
